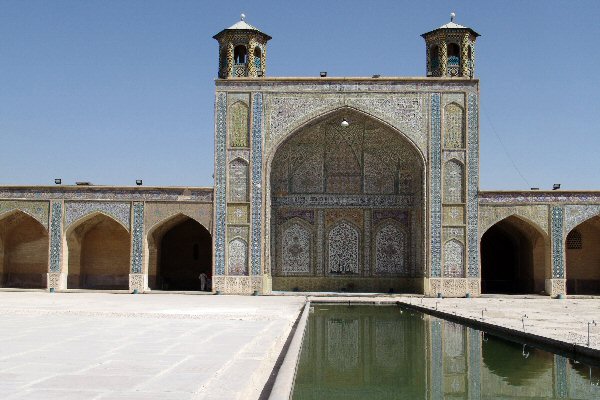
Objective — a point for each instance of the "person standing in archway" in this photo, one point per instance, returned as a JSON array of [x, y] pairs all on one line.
[[202, 278]]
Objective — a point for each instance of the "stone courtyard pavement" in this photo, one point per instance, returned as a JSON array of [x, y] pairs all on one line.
[[120, 346]]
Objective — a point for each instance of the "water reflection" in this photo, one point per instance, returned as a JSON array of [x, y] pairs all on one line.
[[370, 352]]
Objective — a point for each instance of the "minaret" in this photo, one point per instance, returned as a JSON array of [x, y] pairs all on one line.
[[451, 50], [242, 51]]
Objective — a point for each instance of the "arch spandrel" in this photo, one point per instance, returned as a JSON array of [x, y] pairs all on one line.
[[536, 216], [577, 214], [406, 114], [38, 210], [157, 213], [74, 224], [75, 211]]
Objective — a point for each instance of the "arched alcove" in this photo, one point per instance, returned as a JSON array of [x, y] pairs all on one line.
[[334, 175], [98, 254], [23, 251], [179, 250], [583, 258], [513, 257]]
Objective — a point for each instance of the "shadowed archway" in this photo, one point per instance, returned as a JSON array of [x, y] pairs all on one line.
[[23, 252], [583, 258], [179, 250], [513, 257], [98, 254]]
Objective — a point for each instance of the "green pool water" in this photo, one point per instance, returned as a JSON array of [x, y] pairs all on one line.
[[389, 352]]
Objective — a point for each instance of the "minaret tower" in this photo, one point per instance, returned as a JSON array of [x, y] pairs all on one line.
[[242, 51], [451, 50]]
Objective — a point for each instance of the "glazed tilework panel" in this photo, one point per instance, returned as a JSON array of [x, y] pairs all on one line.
[[473, 187], [391, 250], [490, 215], [454, 255], [238, 180], [453, 182], [137, 248], [239, 231], [436, 187], [577, 214], [237, 257], [296, 254], [108, 193], [533, 197], [343, 249], [237, 214], [454, 215], [454, 127], [406, 112], [157, 213], [257, 182], [56, 218], [121, 212], [39, 210], [238, 124], [220, 182], [558, 264]]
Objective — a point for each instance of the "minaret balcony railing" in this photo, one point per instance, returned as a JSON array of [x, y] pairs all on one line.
[[240, 70], [453, 61]]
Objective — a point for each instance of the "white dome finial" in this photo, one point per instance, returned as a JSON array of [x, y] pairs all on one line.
[[452, 16], [243, 16]]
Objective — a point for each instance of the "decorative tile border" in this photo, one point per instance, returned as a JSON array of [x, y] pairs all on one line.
[[39, 210], [56, 236], [558, 268], [137, 241], [528, 197], [347, 201], [220, 182], [107, 193], [576, 214], [436, 187], [257, 167], [473, 188], [121, 212]]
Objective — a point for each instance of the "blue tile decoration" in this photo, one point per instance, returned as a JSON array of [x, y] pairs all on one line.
[[561, 388], [120, 211], [56, 235], [558, 268], [436, 187], [474, 364], [473, 188], [437, 368], [220, 183], [137, 248], [257, 138], [107, 193]]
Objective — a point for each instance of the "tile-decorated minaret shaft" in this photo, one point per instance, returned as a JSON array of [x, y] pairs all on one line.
[[451, 50], [242, 51]]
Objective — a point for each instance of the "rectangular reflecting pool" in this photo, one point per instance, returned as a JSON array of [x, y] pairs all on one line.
[[390, 352]]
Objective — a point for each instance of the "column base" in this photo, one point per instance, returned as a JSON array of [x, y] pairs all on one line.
[[242, 284], [138, 282], [57, 280], [451, 287], [555, 287]]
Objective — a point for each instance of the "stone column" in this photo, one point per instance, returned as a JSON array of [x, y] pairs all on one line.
[[138, 278], [57, 277]]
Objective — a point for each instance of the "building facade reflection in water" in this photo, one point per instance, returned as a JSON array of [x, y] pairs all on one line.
[[366, 352]]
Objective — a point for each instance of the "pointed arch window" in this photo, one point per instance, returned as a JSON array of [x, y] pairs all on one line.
[[453, 55], [240, 54]]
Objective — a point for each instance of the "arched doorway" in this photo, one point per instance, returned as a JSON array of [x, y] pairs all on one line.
[[513, 258], [180, 249], [346, 195], [583, 258], [98, 254], [23, 252]]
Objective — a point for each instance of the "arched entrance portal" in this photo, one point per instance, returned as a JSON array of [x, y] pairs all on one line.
[[98, 254], [346, 208], [23, 252], [583, 258], [180, 250], [513, 258]]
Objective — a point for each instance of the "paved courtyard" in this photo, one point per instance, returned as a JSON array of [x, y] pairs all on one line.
[[118, 346]]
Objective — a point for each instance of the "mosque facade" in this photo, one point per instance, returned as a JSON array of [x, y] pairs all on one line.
[[367, 184]]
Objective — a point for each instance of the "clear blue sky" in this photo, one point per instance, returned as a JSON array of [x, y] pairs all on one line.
[[111, 91]]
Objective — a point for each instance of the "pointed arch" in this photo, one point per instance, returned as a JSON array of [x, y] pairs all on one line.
[[515, 257], [582, 250], [24, 249], [98, 253], [237, 256], [238, 124], [454, 259]]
